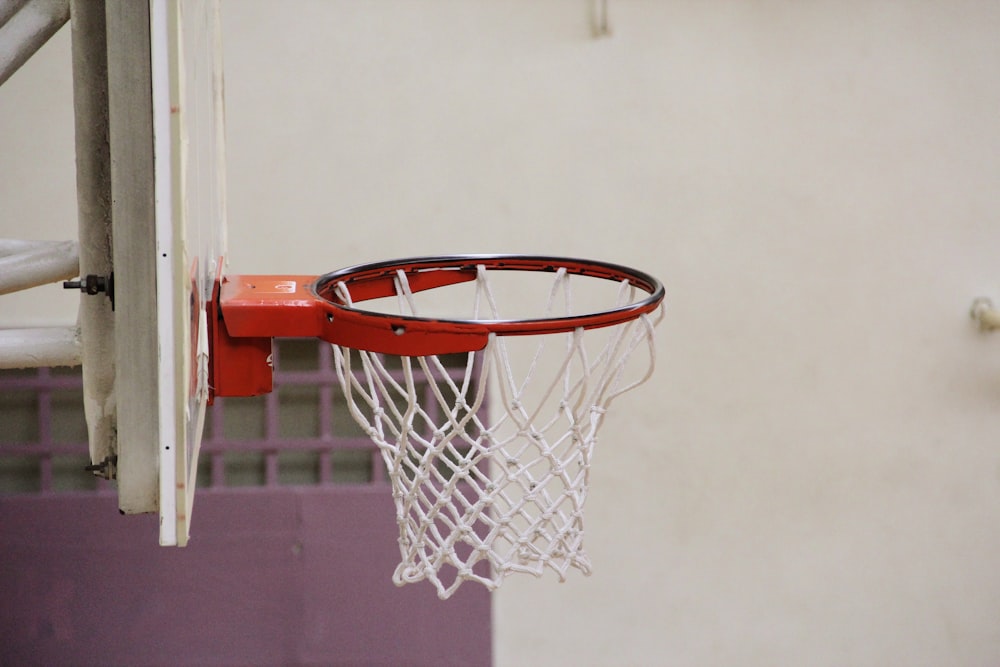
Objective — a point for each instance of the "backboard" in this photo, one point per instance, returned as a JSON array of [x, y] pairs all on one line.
[[189, 153], [169, 229]]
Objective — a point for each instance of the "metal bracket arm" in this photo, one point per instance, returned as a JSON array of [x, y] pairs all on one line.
[[247, 312], [257, 309]]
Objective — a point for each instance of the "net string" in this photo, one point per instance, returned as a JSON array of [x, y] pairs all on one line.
[[478, 499], [379, 380]]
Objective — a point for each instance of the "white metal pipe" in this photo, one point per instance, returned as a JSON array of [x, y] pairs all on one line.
[[40, 348], [93, 196], [16, 246], [8, 8], [25, 264], [27, 27]]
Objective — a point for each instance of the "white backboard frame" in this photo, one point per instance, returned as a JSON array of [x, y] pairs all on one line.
[[189, 150]]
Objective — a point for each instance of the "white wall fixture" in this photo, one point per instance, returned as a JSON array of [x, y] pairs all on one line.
[[984, 314]]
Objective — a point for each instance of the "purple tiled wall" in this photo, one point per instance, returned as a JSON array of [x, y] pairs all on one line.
[[275, 574]]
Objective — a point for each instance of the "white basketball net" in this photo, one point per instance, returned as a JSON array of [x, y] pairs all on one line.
[[481, 491]]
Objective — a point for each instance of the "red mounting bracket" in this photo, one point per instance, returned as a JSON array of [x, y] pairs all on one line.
[[246, 314], [248, 311]]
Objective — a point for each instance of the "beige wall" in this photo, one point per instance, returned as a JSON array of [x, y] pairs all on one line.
[[813, 475]]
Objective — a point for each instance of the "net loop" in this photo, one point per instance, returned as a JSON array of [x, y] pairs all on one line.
[[481, 493]]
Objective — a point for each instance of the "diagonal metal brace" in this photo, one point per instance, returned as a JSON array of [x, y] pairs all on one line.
[[25, 26]]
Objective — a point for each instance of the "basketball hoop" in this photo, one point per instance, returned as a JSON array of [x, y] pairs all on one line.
[[479, 495], [407, 333]]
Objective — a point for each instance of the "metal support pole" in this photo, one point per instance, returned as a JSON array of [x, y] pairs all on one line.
[[24, 27], [93, 187], [39, 348], [8, 8], [25, 264]]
